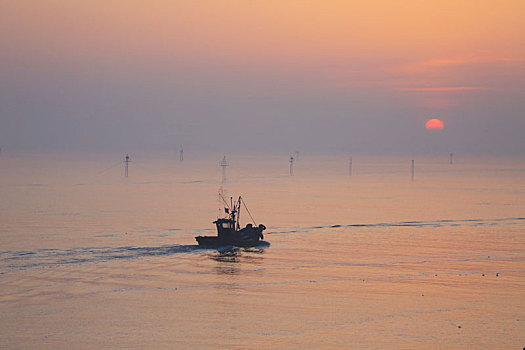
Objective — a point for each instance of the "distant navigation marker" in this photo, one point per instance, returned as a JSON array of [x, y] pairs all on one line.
[[126, 161], [412, 170], [291, 166], [451, 157], [223, 164], [181, 153]]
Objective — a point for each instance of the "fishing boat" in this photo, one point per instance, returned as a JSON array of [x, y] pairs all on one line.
[[229, 231]]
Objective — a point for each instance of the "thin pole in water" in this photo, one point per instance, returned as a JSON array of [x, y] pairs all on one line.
[[291, 166], [412, 170], [223, 164], [126, 161], [451, 157], [350, 166]]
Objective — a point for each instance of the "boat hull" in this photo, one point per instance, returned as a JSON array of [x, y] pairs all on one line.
[[214, 241]]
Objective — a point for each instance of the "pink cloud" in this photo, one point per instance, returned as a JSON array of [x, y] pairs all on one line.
[[424, 66], [442, 89]]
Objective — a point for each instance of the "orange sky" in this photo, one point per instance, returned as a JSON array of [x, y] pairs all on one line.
[[433, 55], [399, 44], [256, 31]]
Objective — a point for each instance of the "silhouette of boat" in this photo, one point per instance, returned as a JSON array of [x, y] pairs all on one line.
[[229, 231]]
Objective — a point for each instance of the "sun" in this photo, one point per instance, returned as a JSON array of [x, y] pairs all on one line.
[[434, 124]]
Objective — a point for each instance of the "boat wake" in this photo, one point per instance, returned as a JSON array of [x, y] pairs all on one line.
[[59, 257], [417, 224]]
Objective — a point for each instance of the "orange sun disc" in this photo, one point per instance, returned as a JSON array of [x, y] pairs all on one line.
[[434, 124]]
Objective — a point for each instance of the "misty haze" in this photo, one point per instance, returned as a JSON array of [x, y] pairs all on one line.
[[260, 77]]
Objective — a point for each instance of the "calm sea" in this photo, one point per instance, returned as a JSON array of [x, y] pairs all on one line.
[[92, 260]]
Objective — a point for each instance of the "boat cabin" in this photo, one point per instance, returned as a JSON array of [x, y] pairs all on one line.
[[225, 226]]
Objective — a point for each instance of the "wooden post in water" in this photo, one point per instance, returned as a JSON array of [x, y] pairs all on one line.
[[181, 153], [412, 170], [451, 156], [291, 166], [350, 166]]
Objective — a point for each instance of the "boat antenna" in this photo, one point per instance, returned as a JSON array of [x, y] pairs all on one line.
[[245, 207]]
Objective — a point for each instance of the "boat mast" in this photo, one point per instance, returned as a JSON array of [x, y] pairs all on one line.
[[238, 213], [233, 211]]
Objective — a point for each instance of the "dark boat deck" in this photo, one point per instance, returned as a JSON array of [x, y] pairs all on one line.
[[214, 241]]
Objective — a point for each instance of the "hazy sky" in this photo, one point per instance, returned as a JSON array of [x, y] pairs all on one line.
[[262, 75]]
